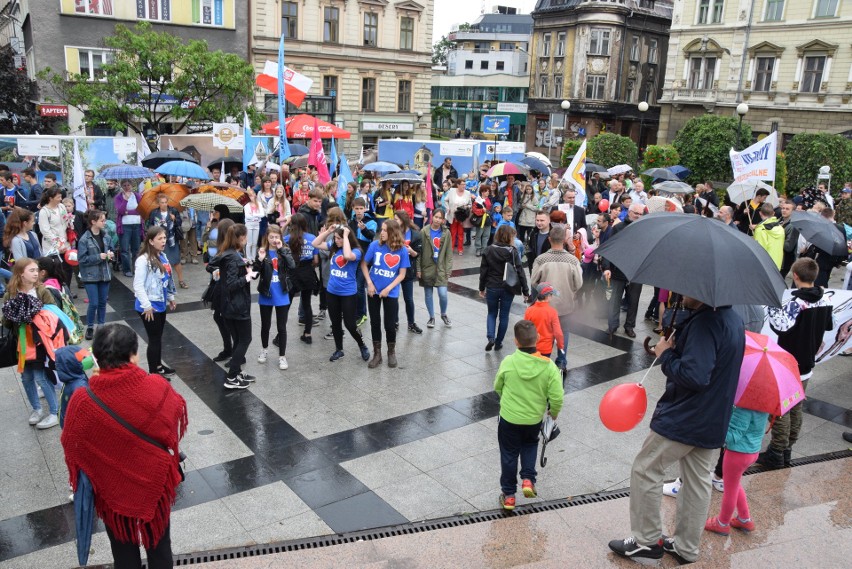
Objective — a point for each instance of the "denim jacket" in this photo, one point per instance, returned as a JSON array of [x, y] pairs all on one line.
[[148, 284], [93, 269]]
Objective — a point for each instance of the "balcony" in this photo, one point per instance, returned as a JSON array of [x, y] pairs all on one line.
[[694, 95]]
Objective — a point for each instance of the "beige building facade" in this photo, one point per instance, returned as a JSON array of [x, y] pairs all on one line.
[[790, 61], [370, 61]]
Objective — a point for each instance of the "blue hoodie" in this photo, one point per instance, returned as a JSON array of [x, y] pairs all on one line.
[[70, 366]]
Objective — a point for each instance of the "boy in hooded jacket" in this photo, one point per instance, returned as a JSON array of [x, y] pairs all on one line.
[[71, 365], [527, 383]]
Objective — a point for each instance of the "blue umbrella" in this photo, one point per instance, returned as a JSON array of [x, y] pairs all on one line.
[[415, 172], [185, 169], [295, 150], [380, 167], [128, 171], [84, 516], [681, 172], [535, 164], [399, 177]]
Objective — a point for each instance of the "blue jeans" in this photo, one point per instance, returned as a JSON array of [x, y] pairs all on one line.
[[32, 375], [442, 299], [499, 300], [97, 293], [516, 441], [129, 241]]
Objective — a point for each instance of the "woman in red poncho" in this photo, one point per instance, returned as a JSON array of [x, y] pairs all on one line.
[[134, 481]]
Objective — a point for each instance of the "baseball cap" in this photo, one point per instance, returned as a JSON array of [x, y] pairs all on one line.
[[846, 191], [544, 289]]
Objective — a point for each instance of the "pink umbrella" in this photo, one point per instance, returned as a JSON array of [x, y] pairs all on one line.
[[505, 169], [769, 377]]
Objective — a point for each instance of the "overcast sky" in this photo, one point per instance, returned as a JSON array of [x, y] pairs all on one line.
[[449, 12]]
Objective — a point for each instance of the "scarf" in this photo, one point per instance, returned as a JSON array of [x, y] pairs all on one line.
[[135, 483]]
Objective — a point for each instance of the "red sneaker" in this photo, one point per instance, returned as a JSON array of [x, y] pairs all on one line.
[[744, 525], [529, 489], [507, 502], [714, 526]]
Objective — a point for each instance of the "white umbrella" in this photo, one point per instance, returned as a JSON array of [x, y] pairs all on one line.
[[674, 187], [620, 169], [659, 203], [541, 157], [743, 191]]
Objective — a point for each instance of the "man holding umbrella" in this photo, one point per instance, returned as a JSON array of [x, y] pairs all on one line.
[[618, 282]]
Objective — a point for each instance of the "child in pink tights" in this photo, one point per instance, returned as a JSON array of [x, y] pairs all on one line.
[[742, 444]]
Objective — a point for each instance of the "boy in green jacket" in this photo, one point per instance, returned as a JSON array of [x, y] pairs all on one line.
[[526, 382]]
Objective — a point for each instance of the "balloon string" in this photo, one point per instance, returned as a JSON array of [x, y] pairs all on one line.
[[647, 371]]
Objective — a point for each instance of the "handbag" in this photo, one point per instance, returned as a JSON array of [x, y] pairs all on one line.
[[511, 279], [8, 346]]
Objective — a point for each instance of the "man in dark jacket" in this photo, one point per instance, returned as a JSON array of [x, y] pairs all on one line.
[[688, 426], [445, 173], [537, 241], [618, 281], [312, 210]]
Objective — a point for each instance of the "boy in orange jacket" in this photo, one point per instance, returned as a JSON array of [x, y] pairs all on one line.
[[546, 322]]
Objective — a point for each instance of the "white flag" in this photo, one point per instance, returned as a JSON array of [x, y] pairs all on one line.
[[222, 172], [79, 181], [142, 151], [171, 146], [575, 175], [757, 162]]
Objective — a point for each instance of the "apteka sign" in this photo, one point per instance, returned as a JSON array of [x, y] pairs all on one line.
[[757, 162]]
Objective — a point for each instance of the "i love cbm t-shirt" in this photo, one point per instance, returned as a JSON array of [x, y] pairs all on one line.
[[385, 265], [341, 276]]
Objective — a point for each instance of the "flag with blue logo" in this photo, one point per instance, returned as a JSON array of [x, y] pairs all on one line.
[[343, 179], [333, 165], [284, 148]]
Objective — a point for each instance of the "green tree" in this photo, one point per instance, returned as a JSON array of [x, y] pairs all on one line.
[[18, 113], [441, 112], [808, 152], [442, 47], [155, 79], [658, 156], [610, 150], [781, 174], [569, 149], [704, 144]]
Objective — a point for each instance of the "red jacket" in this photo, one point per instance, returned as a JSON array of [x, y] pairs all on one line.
[[547, 325]]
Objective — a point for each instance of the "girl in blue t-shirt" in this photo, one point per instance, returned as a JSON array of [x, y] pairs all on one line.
[[384, 267], [304, 277], [340, 295], [274, 262]]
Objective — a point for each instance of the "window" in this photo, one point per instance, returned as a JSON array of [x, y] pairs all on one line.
[[635, 48], [208, 12], [368, 94], [646, 4], [812, 75], [702, 72], [595, 85], [774, 10], [154, 10], [289, 19], [545, 45], [468, 64], [91, 63], [270, 104], [560, 44], [99, 7], [329, 86], [507, 46], [599, 42], [403, 104], [371, 28], [652, 51], [331, 25], [826, 8], [710, 11], [501, 65], [557, 86], [483, 64], [406, 33], [542, 86], [763, 73]]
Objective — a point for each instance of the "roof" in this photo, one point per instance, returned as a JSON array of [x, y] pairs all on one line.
[[662, 8]]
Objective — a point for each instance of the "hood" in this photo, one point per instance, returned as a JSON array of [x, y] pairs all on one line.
[[809, 295], [69, 363], [527, 366]]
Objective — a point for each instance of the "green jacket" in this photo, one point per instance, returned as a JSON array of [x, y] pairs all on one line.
[[432, 272], [770, 235], [525, 384]]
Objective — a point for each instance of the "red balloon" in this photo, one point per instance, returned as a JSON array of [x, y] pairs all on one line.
[[623, 407], [603, 206], [71, 257]]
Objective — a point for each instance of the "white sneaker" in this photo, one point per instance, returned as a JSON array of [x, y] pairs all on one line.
[[672, 488], [48, 422], [261, 359], [37, 416], [40, 392], [718, 484], [282, 363]]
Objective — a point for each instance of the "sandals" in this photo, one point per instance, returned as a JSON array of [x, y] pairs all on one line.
[[183, 284]]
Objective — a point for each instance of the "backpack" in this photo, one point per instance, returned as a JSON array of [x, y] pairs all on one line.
[[63, 300], [476, 213]]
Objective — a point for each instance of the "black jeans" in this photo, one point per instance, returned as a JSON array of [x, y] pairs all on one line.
[[634, 290], [305, 310], [391, 309], [281, 313], [128, 555], [341, 312], [516, 441], [227, 344], [408, 297], [241, 335], [154, 330]]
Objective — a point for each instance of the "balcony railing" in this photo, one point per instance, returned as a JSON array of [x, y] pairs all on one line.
[[695, 94]]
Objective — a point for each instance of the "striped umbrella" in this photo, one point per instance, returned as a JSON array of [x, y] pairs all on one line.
[[126, 171], [506, 169], [233, 192], [209, 200], [174, 192], [769, 377]]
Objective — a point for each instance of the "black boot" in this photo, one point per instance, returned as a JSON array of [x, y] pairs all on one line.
[[771, 459], [788, 457]]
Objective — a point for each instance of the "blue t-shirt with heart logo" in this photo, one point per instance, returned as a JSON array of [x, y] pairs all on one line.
[[385, 265], [435, 235], [342, 274], [277, 297]]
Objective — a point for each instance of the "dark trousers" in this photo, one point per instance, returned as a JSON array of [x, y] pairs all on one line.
[[523, 230], [227, 344], [499, 302], [128, 555], [281, 313], [323, 299], [391, 308], [341, 312], [361, 295], [306, 313], [154, 330], [634, 290], [241, 336], [516, 441], [408, 297]]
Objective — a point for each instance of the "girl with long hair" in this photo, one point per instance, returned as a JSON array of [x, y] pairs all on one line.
[[94, 256], [19, 237], [221, 230], [420, 212], [528, 207], [405, 199], [279, 208], [351, 193], [265, 197], [154, 289], [498, 258], [383, 203], [274, 262], [414, 245], [344, 257], [168, 218], [334, 218], [304, 276], [25, 280], [51, 223], [384, 267], [253, 214], [435, 266], [459, 201]]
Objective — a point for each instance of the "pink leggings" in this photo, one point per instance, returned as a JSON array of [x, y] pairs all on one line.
[[733, 466]]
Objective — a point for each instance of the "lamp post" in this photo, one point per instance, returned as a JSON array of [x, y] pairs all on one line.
[[742, 109], [564, 105], [643, 108]]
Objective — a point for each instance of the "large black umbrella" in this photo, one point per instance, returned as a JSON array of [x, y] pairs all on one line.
[[157, 159], [821, 232], [228, 160], [698, 257], [661, 174]]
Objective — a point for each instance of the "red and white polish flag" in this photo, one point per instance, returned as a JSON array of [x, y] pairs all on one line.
[[296, 85]]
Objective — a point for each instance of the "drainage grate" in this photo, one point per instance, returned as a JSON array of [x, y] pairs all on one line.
[[430, 525]]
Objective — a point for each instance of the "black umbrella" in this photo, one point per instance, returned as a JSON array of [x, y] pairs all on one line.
[[821, 232], [228, 160], [535, 164], [157, 159], [698, 257], [661, 174]]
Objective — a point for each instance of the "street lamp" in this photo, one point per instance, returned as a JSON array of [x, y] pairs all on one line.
[[643, 108], [742, 109], [565, 105]]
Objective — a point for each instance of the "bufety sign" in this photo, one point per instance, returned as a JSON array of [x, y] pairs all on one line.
[[757, 162]]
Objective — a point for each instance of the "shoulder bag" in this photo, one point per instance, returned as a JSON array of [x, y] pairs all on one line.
[[511, 279]]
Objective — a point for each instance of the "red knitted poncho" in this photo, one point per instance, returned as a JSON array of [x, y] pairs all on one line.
[[134, 482]]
